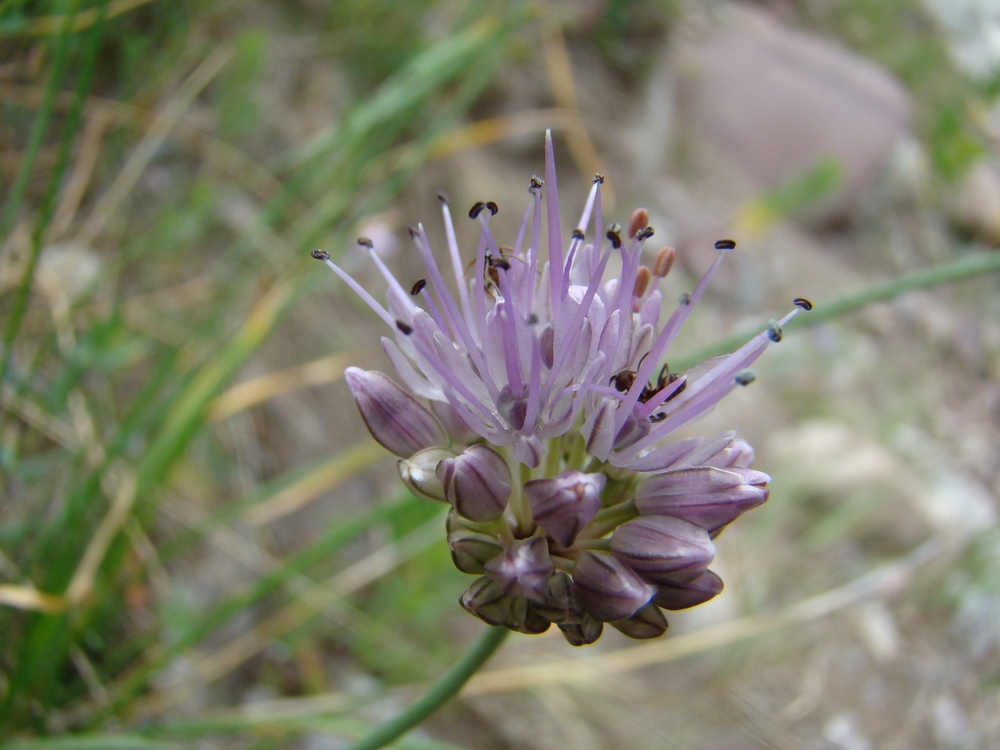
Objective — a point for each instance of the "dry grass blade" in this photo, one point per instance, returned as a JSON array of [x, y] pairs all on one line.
[[147, 147], [265, 387]]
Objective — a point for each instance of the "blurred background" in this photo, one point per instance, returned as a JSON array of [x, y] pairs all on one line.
[[200, 544]]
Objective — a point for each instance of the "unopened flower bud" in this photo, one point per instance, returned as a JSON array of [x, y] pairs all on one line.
[[706, 586], [486, 600], [663, 548], [477, 482], [582, 633], [470, 550], [561, 603], [566, 503], [707, 496], [608, 588], [648, 622], [524, 619], [419, 472], [394, 418], [523, 568], [664, 261]]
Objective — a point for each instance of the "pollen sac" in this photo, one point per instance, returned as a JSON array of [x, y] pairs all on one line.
[[477, 482], [706, 496], [564, 504], [395, 419], [608, 588], [663, 261], [523, 569], [638, 221], [663, 549], [706, 586], [419, 472]]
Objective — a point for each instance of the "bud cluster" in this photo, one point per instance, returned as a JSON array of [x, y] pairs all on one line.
[[534, 404]]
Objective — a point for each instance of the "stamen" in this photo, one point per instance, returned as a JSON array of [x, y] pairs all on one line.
[[745, 377], [418, 287], [477, 208], [802, 303], [556, 292], [443, 197], [578, 234], [355, 287], [637, 221], [663, 261], [614, 236], [366, 242], [405, 329], [642, 278], [644, 234], [725, 245]]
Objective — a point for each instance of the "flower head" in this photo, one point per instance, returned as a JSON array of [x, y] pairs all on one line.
[[535, 401]]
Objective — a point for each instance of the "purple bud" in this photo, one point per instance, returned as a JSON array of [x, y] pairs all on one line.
[[477, 482], [583, 633], [470, 550], [561, 603], [707, 496], [663, 549], [419, 472], [486, 600], [566, 503], [608, 588], [523, 569], [706, 586], [524, 619], [394, 418], [648, 622]]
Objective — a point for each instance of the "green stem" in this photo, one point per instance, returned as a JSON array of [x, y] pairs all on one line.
[[968, 266], [437, 694]]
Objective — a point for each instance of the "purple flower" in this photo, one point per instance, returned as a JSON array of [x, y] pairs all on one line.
[[536, 401]]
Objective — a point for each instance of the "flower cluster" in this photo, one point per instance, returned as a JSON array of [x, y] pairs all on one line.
[[535, 404]]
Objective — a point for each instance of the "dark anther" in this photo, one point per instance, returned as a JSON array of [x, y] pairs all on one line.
[[598, 179], [418, 287], [500, 262], [803, 303], [644, 234], [405, 329], [725, 244], [493, 207], [414, 232], [443, 197], [658, 417], [535, 183], [532, 319], [365, 242], [616, 240], [477, 208], [578, 234], [774, 331], [745, 377], [320, 254], [685, 299]]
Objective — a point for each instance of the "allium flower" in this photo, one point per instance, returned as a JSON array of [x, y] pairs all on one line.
[[535, 402]]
